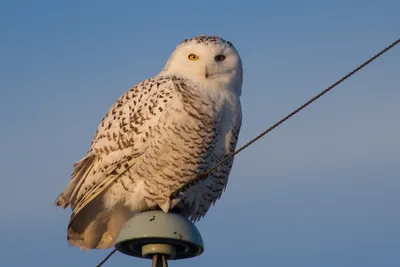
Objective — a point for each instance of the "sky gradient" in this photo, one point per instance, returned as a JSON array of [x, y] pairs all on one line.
[[321, 190]]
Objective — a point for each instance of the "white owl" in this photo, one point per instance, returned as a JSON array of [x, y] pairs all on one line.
[[159, 136]]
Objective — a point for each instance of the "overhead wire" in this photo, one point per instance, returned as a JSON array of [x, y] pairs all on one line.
[[205, 174], [311, 100], [106, 258]]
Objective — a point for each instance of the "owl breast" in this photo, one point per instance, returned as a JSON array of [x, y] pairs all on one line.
[[181, 145]]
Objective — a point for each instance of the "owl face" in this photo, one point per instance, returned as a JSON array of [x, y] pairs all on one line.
[[206, 59]]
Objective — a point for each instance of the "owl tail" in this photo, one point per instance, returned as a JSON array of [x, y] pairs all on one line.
[[95, 227]]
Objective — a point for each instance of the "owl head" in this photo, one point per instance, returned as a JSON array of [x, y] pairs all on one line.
[[207, 60]]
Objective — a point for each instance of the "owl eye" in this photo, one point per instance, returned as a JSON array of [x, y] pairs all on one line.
[[220, 58], [193, 57]]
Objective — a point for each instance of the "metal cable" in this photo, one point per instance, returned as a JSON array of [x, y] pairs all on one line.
[[106, 258], [205, 174]]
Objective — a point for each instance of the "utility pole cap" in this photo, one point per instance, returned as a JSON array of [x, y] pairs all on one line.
[[158, 233]]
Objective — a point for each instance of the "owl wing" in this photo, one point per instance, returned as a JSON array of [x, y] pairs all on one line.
[[199, 197], [119, 140]]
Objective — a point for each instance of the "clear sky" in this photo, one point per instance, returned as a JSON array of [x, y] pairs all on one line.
[[322, 190]]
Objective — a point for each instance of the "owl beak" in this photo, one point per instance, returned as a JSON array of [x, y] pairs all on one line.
[[210, 73]]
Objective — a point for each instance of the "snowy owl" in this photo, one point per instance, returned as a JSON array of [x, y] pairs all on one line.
[[160, 135]]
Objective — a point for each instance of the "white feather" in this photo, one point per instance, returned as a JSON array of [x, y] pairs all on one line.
[[159, 136]]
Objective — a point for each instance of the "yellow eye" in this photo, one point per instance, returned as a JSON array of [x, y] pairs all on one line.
[[220, 58], [193, 57]]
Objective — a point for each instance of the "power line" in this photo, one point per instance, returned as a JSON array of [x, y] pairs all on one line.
[[106, 258], [205, 174]]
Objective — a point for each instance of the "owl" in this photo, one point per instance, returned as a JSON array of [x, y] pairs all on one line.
[[159, 136]]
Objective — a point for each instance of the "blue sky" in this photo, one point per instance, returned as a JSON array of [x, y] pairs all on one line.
[[321, 190]]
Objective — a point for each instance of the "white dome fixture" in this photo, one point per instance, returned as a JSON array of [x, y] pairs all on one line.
[[159, 236]]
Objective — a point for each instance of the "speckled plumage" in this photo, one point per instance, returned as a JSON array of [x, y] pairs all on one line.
[[158, 136]]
